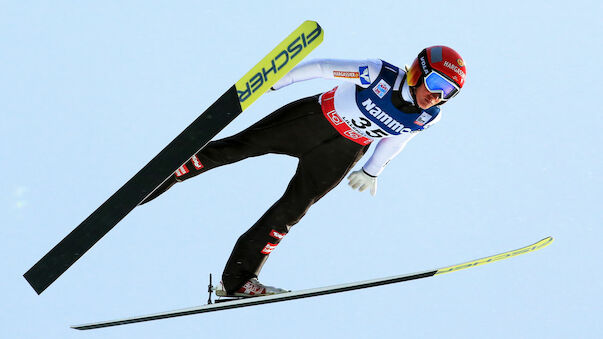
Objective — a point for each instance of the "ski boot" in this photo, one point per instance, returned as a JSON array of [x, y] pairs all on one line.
[[252, 288]]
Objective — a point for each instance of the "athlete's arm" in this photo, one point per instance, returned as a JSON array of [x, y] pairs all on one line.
[[385, 151], [360, 72], [389, 148]]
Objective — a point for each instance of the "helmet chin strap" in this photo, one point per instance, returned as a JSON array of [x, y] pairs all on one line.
[[414, 96], [403, 104], [413, 93], [411, 90]]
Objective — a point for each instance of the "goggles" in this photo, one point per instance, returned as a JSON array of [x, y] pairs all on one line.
[[437, 83]]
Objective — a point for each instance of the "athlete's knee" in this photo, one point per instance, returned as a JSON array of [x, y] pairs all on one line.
[[292, 213]]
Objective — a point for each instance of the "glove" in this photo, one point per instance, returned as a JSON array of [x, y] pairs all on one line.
[[361, 180]]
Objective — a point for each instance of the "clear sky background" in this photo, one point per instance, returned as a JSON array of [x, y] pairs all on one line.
[[91, 91]]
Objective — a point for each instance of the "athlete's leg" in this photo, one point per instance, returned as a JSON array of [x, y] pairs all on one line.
[[281, 132], [318, 171]]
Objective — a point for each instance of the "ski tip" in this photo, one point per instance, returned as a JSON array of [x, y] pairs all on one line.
[[314, 22], [286, 55], [530, 248], [314, 32], [544, 242], [317, 31]]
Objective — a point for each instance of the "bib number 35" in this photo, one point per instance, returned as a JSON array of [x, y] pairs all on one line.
[[365, 123]]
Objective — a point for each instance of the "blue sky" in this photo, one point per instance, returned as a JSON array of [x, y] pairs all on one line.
[[92, 91]]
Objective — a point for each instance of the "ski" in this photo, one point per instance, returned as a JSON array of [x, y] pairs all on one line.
[[316, 291], [232, 103]]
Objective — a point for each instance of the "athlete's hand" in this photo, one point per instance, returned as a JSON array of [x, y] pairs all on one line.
[[361, 180]]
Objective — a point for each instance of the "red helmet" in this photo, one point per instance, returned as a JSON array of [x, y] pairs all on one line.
[[441, 59]]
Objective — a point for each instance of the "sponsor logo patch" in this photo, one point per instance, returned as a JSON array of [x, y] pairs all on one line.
[[254, 81], [181, 171], [365, 78], [276, 234], [422, 119], [196, 162], [382, 88], [424, 66], [456, 70], [269, 248], [374, 110], [348, 75], [352, 134], [335, 118]]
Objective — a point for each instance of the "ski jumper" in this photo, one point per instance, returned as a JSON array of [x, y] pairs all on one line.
[[328, 133]]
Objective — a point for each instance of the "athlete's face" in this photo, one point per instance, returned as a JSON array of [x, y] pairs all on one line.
[[425, 98]]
